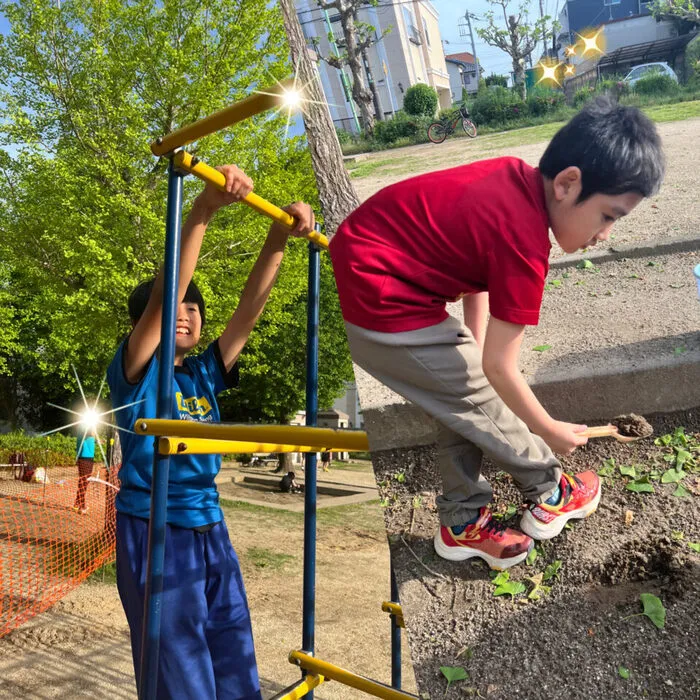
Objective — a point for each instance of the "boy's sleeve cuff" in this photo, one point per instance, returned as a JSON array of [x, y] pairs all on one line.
[[231, 378]]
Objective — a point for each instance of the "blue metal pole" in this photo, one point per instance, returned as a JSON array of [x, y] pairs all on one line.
[[148, 675], [312, 319], [395, 636]]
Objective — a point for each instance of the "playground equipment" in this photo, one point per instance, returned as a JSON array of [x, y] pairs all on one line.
[[179, 437]]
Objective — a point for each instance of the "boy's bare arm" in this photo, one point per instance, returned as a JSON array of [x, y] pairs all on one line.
[[145, 336], [476, 310], [260, 283], [501, 351]]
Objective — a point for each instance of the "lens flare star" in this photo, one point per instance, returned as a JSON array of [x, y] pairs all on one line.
[[569, 70], [594, 43], [292, 98], [570, 51], [90, 419], [549, 72]]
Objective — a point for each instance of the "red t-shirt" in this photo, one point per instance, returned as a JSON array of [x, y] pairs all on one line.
[[417, 244]]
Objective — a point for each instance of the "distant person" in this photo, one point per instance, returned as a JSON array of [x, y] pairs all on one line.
[[326, 461], [480, 232], [288, 483], [86, 464]]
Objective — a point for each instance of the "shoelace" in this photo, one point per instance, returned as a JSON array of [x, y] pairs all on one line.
[[494, 526]]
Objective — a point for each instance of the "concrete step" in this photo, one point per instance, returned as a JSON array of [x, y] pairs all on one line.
[[622, 335]]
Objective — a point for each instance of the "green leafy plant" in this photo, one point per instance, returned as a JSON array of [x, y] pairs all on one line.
[[420, 100], [552, 570], [641, 485], [653, 608], [542, 348], [585, 265], [628, 471], [695, 546], [623, 672], [453, 674], [673, 476], [506, 587], [539, 589], [681, 492]]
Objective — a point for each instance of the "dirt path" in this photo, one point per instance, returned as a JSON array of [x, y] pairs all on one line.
[[671, 214], [80, 648]]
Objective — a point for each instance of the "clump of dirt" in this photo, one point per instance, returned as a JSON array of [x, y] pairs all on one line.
[[632, 425]]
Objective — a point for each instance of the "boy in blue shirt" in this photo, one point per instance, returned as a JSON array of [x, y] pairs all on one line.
[[206, 647]]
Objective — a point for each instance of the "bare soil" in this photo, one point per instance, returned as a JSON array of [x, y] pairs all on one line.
[[571, 643], [80, 648]]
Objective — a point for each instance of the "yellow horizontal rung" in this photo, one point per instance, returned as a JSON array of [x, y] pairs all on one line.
[[320, 438], [186, 161], [203, 446], [300, 688], [335, 673], [395, 610], [256, 103]]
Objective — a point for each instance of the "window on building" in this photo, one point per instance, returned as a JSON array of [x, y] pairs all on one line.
[[411, 29], [425, 29], [607, 3]]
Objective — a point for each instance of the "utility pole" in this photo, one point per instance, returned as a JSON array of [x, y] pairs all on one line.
[[471, 37]]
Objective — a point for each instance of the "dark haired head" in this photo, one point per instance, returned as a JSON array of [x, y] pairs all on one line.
[[616, 148], [142, 293]]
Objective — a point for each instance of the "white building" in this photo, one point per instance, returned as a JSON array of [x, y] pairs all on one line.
[[462, 71], [410, 53]]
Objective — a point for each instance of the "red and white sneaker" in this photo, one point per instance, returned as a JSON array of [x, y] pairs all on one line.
[[580, 494], [499, 546]]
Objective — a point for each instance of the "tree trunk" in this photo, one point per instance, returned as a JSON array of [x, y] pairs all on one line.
[[378, 111], [284, 463], [337, 195], [362, 96]]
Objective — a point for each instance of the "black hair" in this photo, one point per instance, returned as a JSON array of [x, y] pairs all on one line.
[[142, 293], [617, 149]]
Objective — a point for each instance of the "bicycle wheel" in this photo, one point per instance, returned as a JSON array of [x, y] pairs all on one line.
[[469, 127], [437, 132]]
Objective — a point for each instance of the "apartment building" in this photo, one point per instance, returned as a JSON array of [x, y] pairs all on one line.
[[410, 53]]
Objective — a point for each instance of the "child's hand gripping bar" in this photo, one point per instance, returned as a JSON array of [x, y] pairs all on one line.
[[186, 161]]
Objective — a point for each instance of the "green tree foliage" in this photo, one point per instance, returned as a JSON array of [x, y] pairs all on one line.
[[495, 79], [420, 99], [514, 35], [687, 10], [85, 86]]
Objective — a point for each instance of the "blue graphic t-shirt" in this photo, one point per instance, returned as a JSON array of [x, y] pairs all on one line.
[[193, 500]]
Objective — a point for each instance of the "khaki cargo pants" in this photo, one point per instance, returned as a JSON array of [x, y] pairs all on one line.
[[439, 369]]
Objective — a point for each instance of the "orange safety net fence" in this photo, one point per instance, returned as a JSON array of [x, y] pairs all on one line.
[[46, 547]]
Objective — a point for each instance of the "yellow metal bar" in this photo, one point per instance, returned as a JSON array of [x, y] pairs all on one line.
[[186, 161], [202, 446], [300, 688], [395, 610], [335, 673], [322, 438], [256, 103]]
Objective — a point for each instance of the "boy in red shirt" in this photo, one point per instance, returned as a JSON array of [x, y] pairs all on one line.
[[480, 232]]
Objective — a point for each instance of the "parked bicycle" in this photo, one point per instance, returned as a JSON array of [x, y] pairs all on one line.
[[439, 131]]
